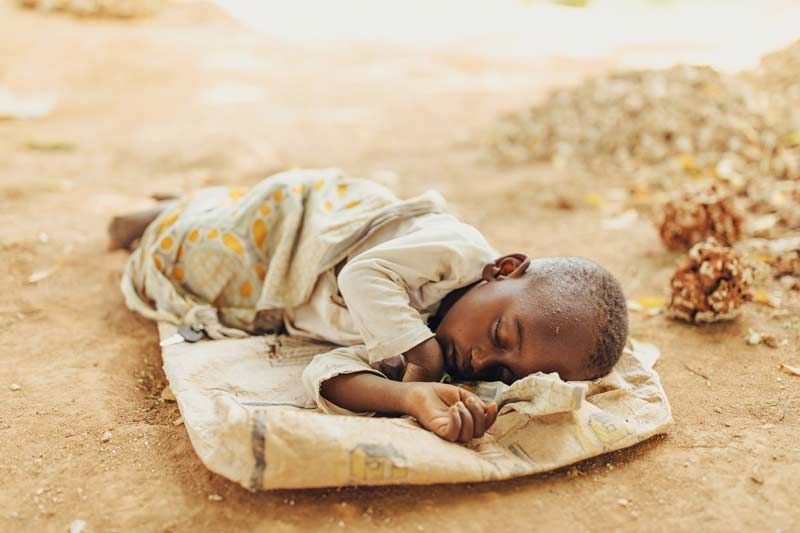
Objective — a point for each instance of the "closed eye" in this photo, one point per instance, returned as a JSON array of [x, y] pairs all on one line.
[[496, 332]]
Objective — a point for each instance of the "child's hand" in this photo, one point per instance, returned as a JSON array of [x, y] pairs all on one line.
[[425, 362], [452, 413]]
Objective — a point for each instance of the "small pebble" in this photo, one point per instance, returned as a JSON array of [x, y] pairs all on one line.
[[14, 387], [215, 497], [753, 337], [757, 477], [623, 502], [39, 491], [106, 436], [77, 526]]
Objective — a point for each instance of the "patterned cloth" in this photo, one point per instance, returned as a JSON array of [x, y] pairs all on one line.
[[230, 260]]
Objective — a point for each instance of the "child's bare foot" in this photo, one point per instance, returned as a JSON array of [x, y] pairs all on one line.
[[125, 230]]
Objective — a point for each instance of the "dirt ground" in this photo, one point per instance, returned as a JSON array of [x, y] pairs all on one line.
[[189, 99]]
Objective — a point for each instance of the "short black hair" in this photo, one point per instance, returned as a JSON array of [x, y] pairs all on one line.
[[591, 290]]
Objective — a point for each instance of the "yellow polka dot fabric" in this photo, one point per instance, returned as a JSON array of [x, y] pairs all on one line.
[[240, 252]]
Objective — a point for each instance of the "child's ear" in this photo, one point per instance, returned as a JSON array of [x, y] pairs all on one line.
[[508, 266]]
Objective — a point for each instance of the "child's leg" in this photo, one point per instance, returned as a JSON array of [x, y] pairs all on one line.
[[125, 230]]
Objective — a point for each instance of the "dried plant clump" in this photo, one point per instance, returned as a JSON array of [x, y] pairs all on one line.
[[710, 285], [654, 125], [786, 268], [780, 71], [787, 264], [693, 216], [780, 200], [99, 8]]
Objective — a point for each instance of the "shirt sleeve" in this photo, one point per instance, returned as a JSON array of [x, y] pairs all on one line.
[[385, 286], [345, 360]]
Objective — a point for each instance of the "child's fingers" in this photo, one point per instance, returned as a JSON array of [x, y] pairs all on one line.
[[466, 395], [467, 425], [452, 430], [478, 416], [491, 415]]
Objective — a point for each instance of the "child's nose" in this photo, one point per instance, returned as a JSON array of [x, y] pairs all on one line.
[[482, 358]]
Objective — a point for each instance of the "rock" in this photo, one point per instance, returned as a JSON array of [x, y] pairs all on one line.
[[753, 338], [14, 387], [167, 395], [106, 436], [710, 285], [77, 526]]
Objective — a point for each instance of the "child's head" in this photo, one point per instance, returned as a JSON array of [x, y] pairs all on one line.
[[556, 314]]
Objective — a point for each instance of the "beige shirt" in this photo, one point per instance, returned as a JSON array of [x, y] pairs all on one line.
[[377, 307]]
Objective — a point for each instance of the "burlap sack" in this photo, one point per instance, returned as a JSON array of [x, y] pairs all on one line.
[[249, 420]]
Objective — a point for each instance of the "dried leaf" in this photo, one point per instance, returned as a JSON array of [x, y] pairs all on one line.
[[761, 226], [652, 302], [762, 297], [760, 258], [649, 305], [687, 163], [77, 526], [593, 199], [16, 107], [39, 275], [50, 146], [622, 221], [793, 370], [167, 395]]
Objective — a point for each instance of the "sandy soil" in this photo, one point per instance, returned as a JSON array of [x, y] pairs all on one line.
[[189, 99]]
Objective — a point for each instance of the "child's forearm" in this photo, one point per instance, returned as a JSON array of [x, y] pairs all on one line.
[[425, 362], [363, 391]]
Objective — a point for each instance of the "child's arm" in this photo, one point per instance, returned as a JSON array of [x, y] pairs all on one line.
[[425, 362], [385, 286], [448, 411]]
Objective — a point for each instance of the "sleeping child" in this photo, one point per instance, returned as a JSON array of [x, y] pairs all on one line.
[[406, 291]]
